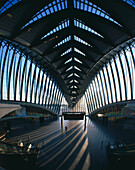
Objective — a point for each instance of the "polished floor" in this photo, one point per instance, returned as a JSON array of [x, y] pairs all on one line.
[[81, 147]]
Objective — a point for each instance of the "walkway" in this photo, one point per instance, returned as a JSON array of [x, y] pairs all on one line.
[[76, 148], [60, 149]]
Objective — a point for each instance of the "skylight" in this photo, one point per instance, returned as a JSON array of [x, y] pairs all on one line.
[[70, 75], [78, 51], [61, 26], [76, 81], [66, 52], [130, 2], [76, 75], [73, 98], [81, 41], [75, 87], [73, 92], [77, 60], [63, 41], [52, 7], [69, 68], [90, 7], [71, 81], [80, 24], [69, 60], [8, 4], [77, 68]]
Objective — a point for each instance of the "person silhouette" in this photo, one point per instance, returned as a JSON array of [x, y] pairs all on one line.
[[66, 128]]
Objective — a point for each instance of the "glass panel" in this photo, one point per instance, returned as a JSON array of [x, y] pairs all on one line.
[[81, 41], [77, 60], [24, 84], [98, 91], [42, 90], [5, 80], [38, 88], [130, 2], [49, 93], [104, 87], [76, 75], [66, 52], [33, 80], [121, 78], [30, 82], [46, 90], [17, 74], [69, 60], [90, 7], [77, 68], [69, 68], [116, 81], [112, 82], [63, 41], [47, 9], [108, 85], [80, 24], [100, 88], [26, 76], [133, 73], [78, 51], [131, 63], [46, 81], [8, 4], [126, 74], [20, 78], [95, 92], [92, 97], [58, 28], [12, 83], [54, 98]]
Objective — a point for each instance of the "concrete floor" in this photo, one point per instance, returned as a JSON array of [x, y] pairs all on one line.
[[78, 147]]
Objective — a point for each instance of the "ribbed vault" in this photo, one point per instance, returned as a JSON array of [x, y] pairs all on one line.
[[69, 36]]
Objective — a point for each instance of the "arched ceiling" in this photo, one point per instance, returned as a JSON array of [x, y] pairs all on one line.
[[69, 36]]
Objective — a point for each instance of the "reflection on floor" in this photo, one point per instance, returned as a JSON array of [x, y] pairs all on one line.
[[60, 149], [77, 148]]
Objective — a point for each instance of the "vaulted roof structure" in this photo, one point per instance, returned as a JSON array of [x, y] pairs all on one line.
[[72, 39]]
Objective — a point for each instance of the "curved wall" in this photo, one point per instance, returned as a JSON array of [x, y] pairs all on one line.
[[115, 81], [23, 80]]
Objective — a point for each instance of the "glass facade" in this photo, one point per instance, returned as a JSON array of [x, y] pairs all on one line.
[[22, 80], [114, 82]]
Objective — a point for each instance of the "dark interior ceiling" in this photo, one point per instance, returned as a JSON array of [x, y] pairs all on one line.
[[69, 36]]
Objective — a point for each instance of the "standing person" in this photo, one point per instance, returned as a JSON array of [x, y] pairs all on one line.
[[101, 144], [66, 128], [28, 140], [37, 148]]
